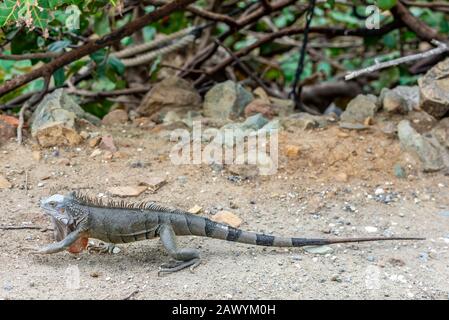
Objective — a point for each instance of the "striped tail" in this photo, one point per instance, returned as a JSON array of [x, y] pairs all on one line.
[[223, 232]]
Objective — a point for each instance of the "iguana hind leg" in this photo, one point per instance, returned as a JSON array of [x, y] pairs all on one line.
[[183, 257]]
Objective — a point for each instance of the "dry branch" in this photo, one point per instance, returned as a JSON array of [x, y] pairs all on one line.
[[441, 47]]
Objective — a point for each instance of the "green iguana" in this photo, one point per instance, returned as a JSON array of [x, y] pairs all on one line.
[[77, 216]]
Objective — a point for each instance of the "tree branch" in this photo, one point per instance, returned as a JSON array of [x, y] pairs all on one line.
[[93, 45], [422, 30]]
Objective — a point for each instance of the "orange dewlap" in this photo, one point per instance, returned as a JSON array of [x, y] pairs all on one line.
[[79, 245]]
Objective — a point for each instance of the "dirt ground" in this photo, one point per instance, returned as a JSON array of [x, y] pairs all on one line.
[[341, 185]]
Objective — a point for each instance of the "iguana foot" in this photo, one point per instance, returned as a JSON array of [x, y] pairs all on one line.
[[174, 266], [102, 248]]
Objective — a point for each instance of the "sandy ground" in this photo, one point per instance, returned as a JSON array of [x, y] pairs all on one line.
[[308, 196]]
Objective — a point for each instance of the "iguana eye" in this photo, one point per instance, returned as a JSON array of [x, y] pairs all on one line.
[[52, 204]]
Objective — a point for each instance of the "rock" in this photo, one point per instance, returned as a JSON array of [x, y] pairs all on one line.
[[441, 132], [117, 116], [401, 99], [107, 155], [4, 183], [143, 122], [85, 135], [434, 90], [36, 155], [228, 218], [96, 153], [426, 148], [254, 122], [399, 171], [319, 249], [155, 183], [259, 106], [226, 100], [107, 143], [171, 117], [341, 177], [54, 122], [7, 131], [353, 126], [93, 142], [120, 155], [171, 93], [292, 151], [245, 171], [195, 209], [360, 108], [370, 229], [282, 107], [127, 191], [304, 121], [63, 162]]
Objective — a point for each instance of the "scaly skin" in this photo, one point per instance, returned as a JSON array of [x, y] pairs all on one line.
[[122, 223]]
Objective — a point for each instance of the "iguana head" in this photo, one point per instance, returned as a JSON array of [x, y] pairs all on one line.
[[63, 221], [54, 206]]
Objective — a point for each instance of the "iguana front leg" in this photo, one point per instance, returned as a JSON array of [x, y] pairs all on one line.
[[61, 245], [102, 247], [183, 257]]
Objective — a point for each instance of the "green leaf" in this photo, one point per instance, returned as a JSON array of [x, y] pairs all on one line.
[[116, 64], [59, 77], [386, 4]]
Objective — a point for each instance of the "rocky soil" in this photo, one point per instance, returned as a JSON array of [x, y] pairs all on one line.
[[331, 182]]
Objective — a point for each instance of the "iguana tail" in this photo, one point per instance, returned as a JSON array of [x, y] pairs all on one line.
[[204, 227]]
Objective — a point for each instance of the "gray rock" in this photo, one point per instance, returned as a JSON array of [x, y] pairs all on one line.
[[399, 171], [304, 121], [401, 99], [226, 100], [441, 132], [54, 122], [283, 107], [319, 249], [360, 108], [254, 122], [426, 148], [171, 93], [434, 90]]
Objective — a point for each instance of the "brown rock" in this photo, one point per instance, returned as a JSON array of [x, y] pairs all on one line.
[[121, 155], [117, 116], [154, 183], [228, 218], [4, 183], [195, 209], [56, 135], [434, 90], [143, 122], [341, 177], [93, 142], [127, 191], [7, 131], [63, 161], [107, 155], [259, 106], [36, 155], [172, 92], [107, 143], [292, 151]]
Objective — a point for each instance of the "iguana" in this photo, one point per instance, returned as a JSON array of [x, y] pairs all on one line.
[[78, 217]]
